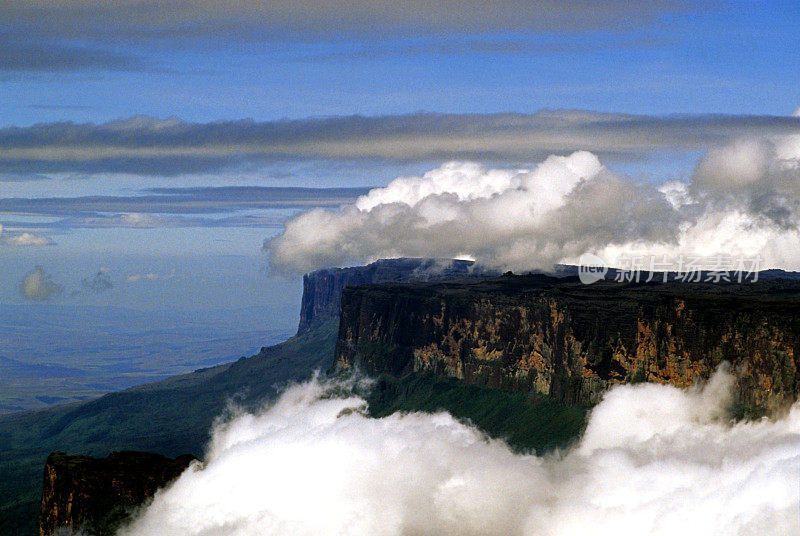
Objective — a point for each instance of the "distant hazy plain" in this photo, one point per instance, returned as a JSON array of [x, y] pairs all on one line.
[[53, 354]]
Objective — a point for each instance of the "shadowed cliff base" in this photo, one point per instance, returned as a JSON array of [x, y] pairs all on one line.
[[527, 422]]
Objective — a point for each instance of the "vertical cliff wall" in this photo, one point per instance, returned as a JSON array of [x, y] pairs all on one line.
[[322, 290], [571, 341], [95, 495]]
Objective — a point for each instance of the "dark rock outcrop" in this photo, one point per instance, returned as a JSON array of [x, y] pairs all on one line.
[[322, 289], [94, 496], [570, 341]]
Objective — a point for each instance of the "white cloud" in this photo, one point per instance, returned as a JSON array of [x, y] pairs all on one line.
[[514, 219], [136, 219], [26, 239], [744, 198], [760, 176], [734, 166], [654, 460], [465, 180]]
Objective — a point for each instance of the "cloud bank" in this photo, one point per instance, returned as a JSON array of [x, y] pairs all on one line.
[[743, 199], [145, 145], [654, 460]]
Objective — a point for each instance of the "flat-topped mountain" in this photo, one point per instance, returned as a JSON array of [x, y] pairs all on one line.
[[569, 341]]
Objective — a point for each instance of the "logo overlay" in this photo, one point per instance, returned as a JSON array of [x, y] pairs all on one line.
[[683, 268], [591, 268]]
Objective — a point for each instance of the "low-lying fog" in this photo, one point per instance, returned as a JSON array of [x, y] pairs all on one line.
[[654, 460]]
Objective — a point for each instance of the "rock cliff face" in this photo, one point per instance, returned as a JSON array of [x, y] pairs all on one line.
[[322, 289], [93, 496], [570, 341]]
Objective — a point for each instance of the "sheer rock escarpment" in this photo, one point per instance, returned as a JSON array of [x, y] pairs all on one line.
[[570, 341]]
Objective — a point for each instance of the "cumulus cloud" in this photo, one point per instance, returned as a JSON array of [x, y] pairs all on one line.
[[513, 219], [743, 199], [760, 176], [654, 460], [25, 239], [145, 145], [39, 285], [465, 180]]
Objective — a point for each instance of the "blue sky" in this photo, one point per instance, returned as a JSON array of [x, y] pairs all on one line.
[[91, 63], [731, 57]]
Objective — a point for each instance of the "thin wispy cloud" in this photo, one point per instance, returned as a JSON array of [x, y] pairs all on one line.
[[201, 200], [271, 19], [149, 276], [147, 221], [22, 177], [478, 45], [192, 207], [60, 107], [56, 57]]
